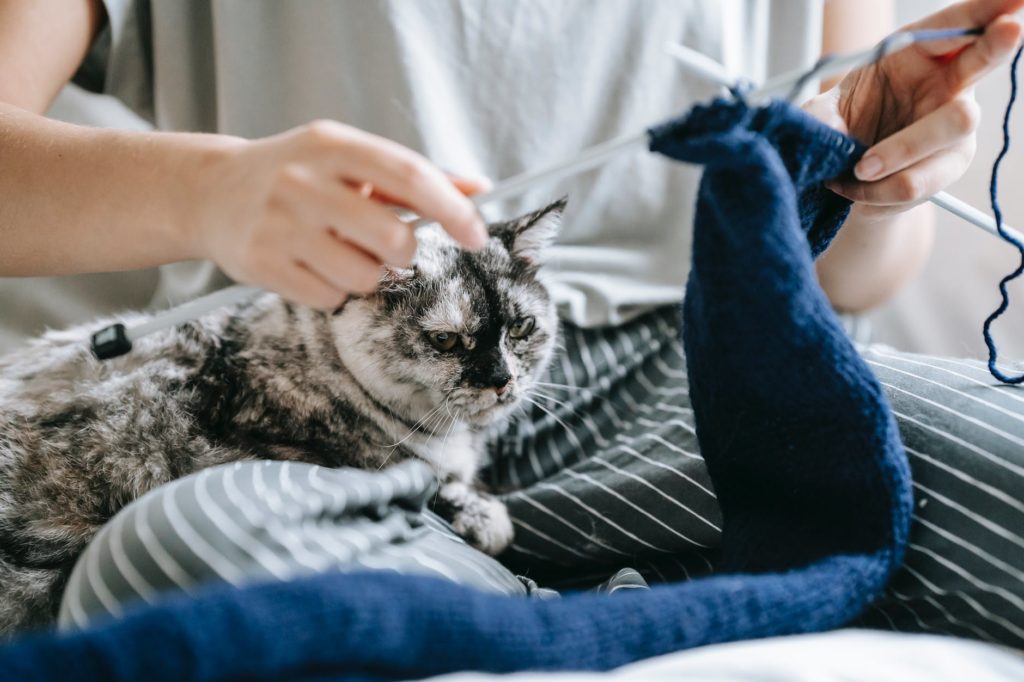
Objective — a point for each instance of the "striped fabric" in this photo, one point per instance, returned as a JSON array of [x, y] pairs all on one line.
[[603, 477], [257, 521], [606, 471]]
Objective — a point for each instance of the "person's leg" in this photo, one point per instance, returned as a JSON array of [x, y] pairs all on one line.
[[254, 521], [964, 437], [617, 479], [613, 476]]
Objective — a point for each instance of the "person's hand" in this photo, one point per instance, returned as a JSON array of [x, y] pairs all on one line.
[[916, 108], [304, 213]]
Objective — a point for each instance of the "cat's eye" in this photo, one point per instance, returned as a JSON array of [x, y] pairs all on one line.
[[521, 327], [443, 341]]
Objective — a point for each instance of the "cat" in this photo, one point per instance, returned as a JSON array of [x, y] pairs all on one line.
[[420, 368]]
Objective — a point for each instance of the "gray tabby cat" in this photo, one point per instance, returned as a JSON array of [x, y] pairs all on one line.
[[420, 368]]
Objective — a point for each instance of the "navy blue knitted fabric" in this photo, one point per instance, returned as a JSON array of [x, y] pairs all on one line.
[[789, 417], [798, 438]]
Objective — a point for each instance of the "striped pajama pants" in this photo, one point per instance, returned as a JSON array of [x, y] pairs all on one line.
[[606, 487]]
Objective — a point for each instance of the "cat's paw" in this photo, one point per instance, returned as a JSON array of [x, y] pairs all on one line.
[[484, 523]]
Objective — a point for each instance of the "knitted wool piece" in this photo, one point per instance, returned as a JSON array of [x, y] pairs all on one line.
[[800, 444], [789, 417]]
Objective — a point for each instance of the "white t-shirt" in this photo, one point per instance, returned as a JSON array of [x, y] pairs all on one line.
[[481, 88]]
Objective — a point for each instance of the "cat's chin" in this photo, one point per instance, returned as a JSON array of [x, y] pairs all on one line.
[[482, 407], [486, 416]]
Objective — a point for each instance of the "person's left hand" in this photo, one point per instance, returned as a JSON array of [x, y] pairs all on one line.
[[916, 108]]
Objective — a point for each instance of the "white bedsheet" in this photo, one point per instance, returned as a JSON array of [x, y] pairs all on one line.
[[843, 656]]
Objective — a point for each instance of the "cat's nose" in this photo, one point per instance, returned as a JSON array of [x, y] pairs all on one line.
[[500, 383]]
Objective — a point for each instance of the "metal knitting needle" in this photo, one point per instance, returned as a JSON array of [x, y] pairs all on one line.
[[834, 66], [517, 184], [707, 68], [117, 339]]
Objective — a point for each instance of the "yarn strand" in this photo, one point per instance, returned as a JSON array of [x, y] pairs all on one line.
[[993, 352]]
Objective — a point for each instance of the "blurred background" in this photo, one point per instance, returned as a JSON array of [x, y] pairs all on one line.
[[941, 312]]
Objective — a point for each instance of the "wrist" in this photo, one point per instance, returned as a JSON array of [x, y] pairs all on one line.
[[197, 165], [867, 218], [874, 255]]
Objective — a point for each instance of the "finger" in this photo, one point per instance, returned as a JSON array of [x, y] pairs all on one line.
[[368, 224], [363, 189], [989, 51], [297, 283], [342, 265], [942, 128], [398, 172], [470, 186], [969, 14], [467, 185], [911, 185]]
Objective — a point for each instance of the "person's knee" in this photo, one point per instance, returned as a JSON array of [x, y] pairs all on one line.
[[174, 538]]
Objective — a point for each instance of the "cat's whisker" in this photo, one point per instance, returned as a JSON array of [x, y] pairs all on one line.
[[543, 394], [548, 412], [434, 417], [415, 427], [561, 386], [386, 459], [561, 403], [436, 424], [451, 428], [592, 392], [518, 411], [426, 423], [440, 422], [444, 442]]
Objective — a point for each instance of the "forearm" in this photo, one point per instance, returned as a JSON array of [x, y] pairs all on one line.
[[872, 257], [76, 199]]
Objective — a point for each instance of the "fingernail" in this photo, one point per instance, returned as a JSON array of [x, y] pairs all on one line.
[[835, 187], [486, 184], [868, 168], [479, 236]]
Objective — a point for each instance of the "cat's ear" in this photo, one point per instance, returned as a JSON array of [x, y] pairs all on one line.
[[528, 237]]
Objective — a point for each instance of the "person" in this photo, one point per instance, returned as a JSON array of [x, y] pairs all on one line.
[[292, 117]]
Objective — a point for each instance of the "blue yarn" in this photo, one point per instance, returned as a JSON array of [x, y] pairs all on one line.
[[993, 189]]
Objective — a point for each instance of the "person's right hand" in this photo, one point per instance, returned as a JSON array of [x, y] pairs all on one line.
[[301, 213]]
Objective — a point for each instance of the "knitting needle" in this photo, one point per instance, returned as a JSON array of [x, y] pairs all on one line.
[[962, 209], [702, 65], [117, 339], [707, 68], [833, 66]]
